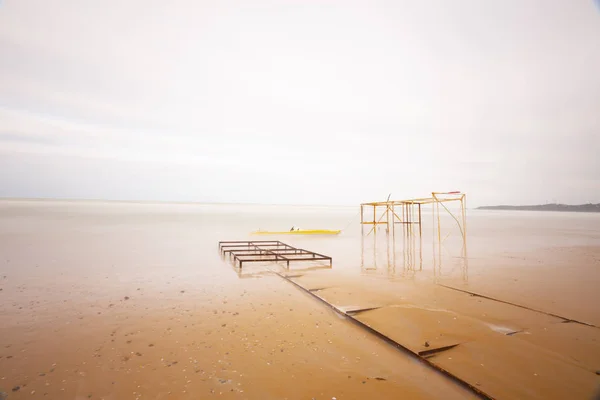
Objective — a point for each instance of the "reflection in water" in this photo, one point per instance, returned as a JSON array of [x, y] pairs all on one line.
[[400, 254], [444, 253], [260, 269]]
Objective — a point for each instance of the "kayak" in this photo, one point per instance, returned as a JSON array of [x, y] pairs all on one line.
[[300, 232]]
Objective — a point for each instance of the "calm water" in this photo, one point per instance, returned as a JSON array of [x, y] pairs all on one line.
[[491, 235], [83, 238]]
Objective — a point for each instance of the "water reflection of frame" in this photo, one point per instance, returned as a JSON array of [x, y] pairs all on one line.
[[401, 255], [394, 255], [258, 271]]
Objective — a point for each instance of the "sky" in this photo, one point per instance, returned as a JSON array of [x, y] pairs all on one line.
[[300, 102]]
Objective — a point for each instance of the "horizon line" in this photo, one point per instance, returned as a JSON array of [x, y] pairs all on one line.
[[66, 199]]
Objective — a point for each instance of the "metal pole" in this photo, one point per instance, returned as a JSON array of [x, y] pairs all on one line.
[[433, 238], [463, 204], [411, 244], [374, 220], [437, 203], [408, 219], [412, 218], [420, 229], [403, 220], [394, 250], [362, 226], [387, 217], [393, 222]]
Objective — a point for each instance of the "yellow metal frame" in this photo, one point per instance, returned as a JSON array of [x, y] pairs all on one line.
[[411, 211], [440, 198], [408, 213]]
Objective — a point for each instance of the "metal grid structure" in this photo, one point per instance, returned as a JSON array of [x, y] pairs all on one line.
[[243, 251]]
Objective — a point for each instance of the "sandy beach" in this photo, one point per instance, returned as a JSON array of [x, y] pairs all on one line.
[[125, 300]]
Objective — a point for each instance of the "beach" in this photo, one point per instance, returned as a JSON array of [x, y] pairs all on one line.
[[114, 300]]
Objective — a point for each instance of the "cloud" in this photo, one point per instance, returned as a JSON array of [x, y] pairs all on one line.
[[354, 99]]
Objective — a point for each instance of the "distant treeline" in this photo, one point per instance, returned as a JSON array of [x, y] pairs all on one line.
[[548, 207]]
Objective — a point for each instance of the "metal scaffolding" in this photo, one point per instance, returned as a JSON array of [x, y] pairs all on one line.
[[408, 213]]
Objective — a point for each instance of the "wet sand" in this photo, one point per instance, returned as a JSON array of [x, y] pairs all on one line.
[[133, 301], [560, 280], [503, 350], [268, 343], [104, 307]]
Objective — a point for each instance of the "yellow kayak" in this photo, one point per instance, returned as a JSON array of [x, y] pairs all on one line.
[[300, 232]]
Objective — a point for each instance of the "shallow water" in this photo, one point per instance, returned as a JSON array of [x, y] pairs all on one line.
[[132, 300]]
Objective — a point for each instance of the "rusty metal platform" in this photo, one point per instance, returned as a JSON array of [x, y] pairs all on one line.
[[243, 251]]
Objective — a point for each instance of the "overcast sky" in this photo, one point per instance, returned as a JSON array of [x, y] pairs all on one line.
[[320, 102]]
